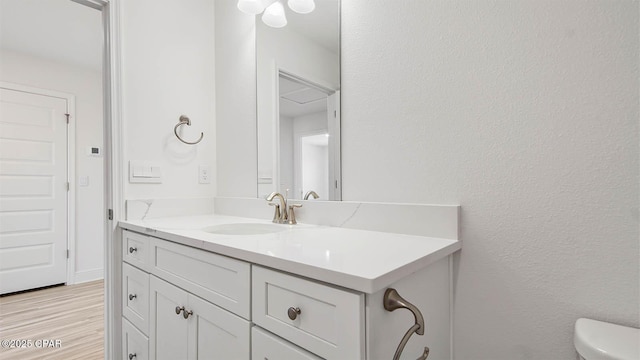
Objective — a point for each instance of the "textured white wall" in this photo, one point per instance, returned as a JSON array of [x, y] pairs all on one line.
[[526, 114], [168, 62], [523, 112], [86, 85]]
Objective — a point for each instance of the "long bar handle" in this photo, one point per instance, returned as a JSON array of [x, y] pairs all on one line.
[[393, 301]]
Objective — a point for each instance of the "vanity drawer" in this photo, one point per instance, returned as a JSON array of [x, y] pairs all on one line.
[[330, 322], [135, 296], [134, 344], [221, 280], [265, 345], [135, 249]]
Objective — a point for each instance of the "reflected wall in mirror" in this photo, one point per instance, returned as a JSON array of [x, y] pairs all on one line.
[[298, 104]]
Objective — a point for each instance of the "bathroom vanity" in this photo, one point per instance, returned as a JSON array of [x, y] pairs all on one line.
[[224, 287]]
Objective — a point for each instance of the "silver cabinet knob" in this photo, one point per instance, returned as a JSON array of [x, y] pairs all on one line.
[[186, 313], [179, 309], [132, 296], [131, 356], [132, 250], [293, 312]]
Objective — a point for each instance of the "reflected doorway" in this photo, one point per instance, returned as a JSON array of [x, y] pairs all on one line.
[[308, 134]]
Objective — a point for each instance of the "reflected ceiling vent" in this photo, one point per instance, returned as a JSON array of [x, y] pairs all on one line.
[[298, 93], [304, 96]]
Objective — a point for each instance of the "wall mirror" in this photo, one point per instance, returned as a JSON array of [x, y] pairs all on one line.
[[298, 103]]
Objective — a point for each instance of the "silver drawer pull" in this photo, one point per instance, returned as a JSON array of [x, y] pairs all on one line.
[[179, 309], [131, 356], [132, 296], [293, 312], [132, 250], [186, 313]]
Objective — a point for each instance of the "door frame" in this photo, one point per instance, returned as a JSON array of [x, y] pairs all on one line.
[[277, 71], [113, 140], [71, 167]]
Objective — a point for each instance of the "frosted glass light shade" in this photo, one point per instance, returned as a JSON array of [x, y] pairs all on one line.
[[274, 15], [302, 6], [252, 7]]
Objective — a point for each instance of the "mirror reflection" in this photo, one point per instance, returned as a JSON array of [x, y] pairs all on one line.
[[298, 104]]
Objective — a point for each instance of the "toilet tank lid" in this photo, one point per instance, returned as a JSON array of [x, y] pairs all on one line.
[[597, 340]]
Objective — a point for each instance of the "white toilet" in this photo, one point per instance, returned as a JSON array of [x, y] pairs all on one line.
[[597, 340]]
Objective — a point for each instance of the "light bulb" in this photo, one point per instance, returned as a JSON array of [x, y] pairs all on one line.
[[251, 7], [302, 6], [274, 15]]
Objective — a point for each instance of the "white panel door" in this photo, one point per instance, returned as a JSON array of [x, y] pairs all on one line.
[[33, 190], [216, 334]]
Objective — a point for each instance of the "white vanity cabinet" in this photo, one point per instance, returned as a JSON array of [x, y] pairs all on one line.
[[184, 302], [191, 304]]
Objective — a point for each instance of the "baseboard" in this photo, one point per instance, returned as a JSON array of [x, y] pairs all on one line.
[[88, 275]]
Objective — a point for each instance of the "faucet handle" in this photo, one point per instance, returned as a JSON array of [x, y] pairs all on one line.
[[276, 213], [292, 214]]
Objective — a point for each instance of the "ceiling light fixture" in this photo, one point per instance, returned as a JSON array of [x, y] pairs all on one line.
[[274, 14], [301, 6], [253, 7]]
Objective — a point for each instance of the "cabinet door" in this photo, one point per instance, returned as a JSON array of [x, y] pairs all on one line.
[[266, 346], [134, 344], [168, 331], [215, 333]]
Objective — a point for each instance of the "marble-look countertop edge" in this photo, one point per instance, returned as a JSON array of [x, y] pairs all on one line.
[[342, 279]]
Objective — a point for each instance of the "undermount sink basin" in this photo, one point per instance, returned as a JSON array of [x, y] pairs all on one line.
[[245, 229]]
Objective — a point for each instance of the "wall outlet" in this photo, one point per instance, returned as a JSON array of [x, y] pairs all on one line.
[[204, 174]]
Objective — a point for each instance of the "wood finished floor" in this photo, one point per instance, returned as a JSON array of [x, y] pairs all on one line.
[[73, 314]]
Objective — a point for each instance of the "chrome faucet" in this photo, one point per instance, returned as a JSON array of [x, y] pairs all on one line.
[[287, 214], [279, 217], [311, 193]]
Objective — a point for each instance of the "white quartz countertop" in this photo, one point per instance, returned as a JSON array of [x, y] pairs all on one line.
[[366, 261]]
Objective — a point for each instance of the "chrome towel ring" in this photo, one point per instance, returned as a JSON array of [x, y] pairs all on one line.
[[182, 121]]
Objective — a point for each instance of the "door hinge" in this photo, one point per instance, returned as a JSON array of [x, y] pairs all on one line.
[[67, 253], [336, 184], [110, 214], [335, 113], [68, 186], [67, 115]]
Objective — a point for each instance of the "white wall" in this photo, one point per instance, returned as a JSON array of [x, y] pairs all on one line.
[[286, 155], [524, 112], [290, 130], [316, 176], [235, 101], [168, 69], [86, 85], [313, 177]]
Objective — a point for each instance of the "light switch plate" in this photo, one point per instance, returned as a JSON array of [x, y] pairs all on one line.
[[144, 172], [83, 181]]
